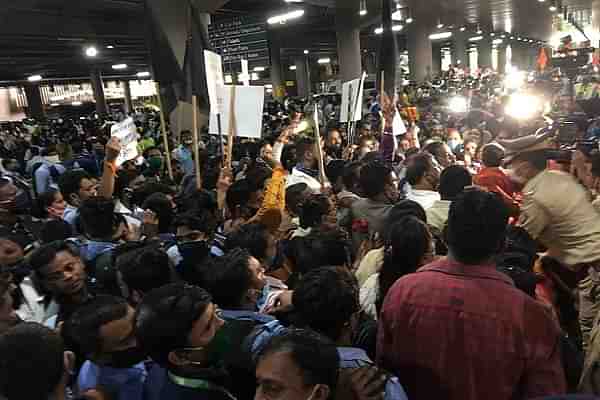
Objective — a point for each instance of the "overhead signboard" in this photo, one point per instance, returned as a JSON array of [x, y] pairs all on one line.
[[240, 38]]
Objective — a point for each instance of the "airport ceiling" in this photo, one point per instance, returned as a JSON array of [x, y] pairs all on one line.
[[47, 37]]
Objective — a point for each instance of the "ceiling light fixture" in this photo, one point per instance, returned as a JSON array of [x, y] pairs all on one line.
[[439, 36], [34, 78], [283, 18], [306, 51], [259, 69], [110, 46], [397, 28], [378, 31], [143, 74], [325, 60], [475, 38], [462, 28], [293, 68], [76, 103], [363, 8], [91, 51], [119, 66]]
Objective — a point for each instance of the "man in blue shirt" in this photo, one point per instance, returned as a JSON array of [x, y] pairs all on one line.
[[182, 331], [327, 301], [185, 153], [103, 332]]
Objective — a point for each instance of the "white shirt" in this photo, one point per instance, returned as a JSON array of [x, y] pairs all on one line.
[[426, 198]]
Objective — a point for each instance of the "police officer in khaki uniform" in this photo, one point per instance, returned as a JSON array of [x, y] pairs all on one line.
[[557, 212]]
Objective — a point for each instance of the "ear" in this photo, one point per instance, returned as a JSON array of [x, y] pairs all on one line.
[[74, 198], [69, 362], [321, 392], [175, 359]]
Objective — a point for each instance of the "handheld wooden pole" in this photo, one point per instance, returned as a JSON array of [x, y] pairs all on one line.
[[318, 148], [195, 141], [381, 101], [163, 127], [232, 127]]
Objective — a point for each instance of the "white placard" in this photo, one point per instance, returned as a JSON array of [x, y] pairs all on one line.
[[350, 91], [249, 103], [398, 126], [245, 73], [214, 79], [126, 132]]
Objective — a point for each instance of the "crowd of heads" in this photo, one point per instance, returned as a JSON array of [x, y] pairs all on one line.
[[251, 279]]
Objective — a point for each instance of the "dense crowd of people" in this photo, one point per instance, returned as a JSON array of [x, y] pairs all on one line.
[[458, 260]]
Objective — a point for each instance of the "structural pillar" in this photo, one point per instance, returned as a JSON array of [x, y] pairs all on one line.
[[501, 59], [484, 50], [459, 49], [436, 56], [348, 40], [98, 89], [420, 55], [34, 101], [302, 78], [596, 23], [128, 101], [276, 71]]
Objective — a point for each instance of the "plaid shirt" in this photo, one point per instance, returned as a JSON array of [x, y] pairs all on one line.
[[458, 332]]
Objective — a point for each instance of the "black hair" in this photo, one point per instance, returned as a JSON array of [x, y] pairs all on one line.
[[406, 243], [228, 279], [304, 145], [406, 208], [199, 220], [335, 170], [147, 190], [165, 318], [453, 181], [289, 157], [145, 269], [294, 197], [318, 249], [373, 176], [316, 358], [538, 159], [70, 182], [199, 202], [45, 255], [251, 237], [44, 201], [162, 206], [313, 210], [256, 177], [492, 155], [325, 299], [435, 149], [238, 195], [83, 327], [349, 177], [476, 226], [32, 362], [419, 167], [97, 217], [55, 230]]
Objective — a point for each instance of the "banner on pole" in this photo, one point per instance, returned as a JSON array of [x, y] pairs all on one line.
[[248, 111], [126, 132], [214, 80], [352, 94]]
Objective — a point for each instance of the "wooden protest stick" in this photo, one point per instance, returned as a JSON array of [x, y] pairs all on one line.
[[318, 148], [381, 93], [163, 126], [195, 141], [232, 127]]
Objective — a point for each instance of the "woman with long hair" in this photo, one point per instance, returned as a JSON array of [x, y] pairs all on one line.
[[408, 246]]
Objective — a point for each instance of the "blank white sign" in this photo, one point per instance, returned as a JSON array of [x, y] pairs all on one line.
[[248, 111]]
